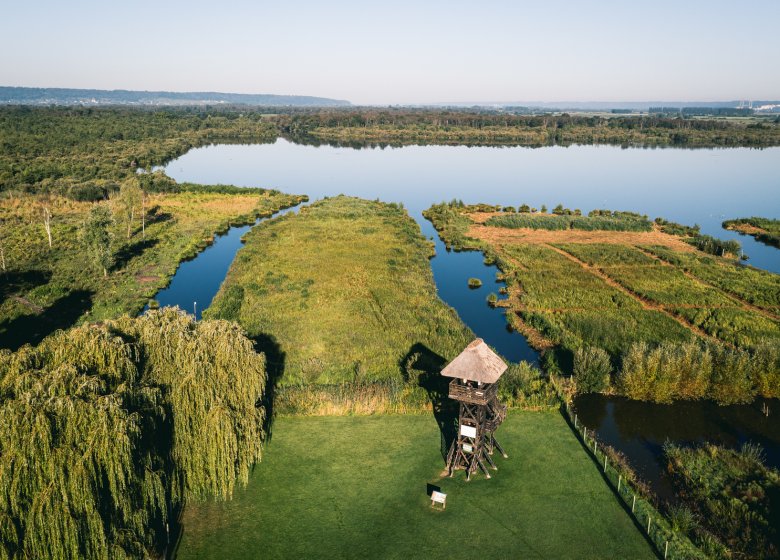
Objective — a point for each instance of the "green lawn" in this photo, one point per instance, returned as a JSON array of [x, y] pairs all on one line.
[[355, 487]]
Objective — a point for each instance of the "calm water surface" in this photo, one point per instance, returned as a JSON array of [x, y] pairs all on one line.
[[701, 187], [640, 429]]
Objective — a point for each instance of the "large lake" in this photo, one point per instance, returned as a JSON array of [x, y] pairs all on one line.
[[688, 186], [701, 187]]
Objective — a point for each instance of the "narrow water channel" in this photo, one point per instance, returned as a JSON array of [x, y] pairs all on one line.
[[197, 281]]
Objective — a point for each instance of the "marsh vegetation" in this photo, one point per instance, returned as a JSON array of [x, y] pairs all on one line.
[[765, 230], [97, 261], [676, 323]]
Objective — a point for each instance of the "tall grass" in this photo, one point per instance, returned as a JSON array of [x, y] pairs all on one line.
[[345, 290], [730, 496]]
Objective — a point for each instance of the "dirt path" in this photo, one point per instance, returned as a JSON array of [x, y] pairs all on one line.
[[497, 236], [746, 305], [644, 302], [27, 303]]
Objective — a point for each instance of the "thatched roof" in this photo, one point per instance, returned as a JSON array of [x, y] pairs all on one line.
[[476, 363]]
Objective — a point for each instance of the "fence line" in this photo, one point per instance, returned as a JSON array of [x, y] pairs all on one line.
[[669, 543]]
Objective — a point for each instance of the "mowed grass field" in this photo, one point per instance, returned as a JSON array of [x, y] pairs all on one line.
[[355, 487]]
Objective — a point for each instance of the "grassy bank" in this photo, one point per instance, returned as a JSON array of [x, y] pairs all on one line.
[[730, 499], [765, 230], [45, 288], [356, 488], [342, 292]]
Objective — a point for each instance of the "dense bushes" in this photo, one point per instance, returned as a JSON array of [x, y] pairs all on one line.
[[592, 370], [714, 246], [108, 430], [673, 228], [731, 497], [693, 371], [618, 221]]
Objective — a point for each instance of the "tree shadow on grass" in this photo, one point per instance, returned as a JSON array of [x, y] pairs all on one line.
[[274, 367], [31, 329], [424, 365], [129, 252], [21, 281]]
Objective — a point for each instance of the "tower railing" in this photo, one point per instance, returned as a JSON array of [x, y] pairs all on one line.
[[472, 395]]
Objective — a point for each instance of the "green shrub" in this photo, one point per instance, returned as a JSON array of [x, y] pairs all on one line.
[[592, 370], [731, 379], [731, 498]]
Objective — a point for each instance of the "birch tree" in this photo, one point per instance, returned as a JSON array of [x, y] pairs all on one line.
[[46, 212], [130, 199], [97, 236]]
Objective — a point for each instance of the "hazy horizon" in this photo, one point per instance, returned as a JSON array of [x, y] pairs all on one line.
[[405, 54]]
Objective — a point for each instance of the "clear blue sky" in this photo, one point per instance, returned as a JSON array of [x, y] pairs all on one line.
[[402, 51]]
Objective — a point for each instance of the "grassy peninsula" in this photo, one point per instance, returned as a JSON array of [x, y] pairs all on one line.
[[765, 230], [345, 290]]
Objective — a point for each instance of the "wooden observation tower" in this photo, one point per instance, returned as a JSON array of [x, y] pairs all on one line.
[[475, 373]]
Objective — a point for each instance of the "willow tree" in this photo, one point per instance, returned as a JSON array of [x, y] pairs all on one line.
[[107, 430]]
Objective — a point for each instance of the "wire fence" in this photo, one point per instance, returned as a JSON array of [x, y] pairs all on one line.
[[669, 543]]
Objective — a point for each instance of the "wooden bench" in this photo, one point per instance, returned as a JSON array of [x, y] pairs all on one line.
[[438, 498]]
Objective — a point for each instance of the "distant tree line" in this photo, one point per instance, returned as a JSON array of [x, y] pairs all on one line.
[[703, 111]]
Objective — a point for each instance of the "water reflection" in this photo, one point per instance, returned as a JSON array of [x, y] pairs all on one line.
[[702, 187], [639, 429]]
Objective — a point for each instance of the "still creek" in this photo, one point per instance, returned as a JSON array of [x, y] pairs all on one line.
[[687, 186]]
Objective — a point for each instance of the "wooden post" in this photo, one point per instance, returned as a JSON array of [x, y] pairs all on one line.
[[666, 549], [649, 520], [575, 421], [594, 443], [620, 479], [633, 504], [605, 462]]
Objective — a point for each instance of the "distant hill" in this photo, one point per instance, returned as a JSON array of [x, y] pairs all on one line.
[[610, 105], [63, 96]]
